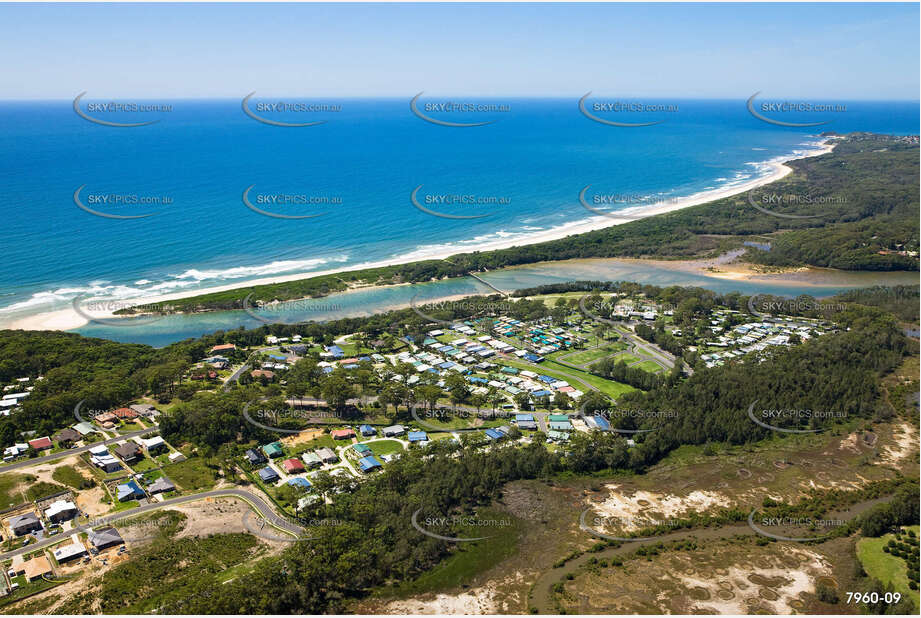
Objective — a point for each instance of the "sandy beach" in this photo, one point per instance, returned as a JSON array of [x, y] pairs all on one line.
[[69, 318]]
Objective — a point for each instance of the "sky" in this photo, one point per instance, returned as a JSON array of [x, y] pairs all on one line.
[[824, 51]]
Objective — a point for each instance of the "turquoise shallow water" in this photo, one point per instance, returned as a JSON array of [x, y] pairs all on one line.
[[374, 300], [363, 164]]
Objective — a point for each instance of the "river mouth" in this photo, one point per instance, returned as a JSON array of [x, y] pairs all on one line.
[[371, 300]]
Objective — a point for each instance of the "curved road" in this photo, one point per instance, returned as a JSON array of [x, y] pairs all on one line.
[[255, 501]]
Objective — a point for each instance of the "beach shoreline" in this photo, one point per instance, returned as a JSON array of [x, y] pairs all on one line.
[[69, 318]]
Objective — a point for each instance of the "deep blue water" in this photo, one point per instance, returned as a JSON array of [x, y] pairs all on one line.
[[370, 155]]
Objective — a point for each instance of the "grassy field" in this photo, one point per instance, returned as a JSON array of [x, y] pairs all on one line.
[[386, 447], [885, 567], [191, 474], [69, 476], [548, 367], [649, 365], [584, 357], [10, 493], [41, 489]]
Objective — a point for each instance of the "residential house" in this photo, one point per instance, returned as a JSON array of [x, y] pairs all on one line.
[[362, 449], [40, 444], [268, 475], [61, 510], [37, 568], [327, 455], [24, 524], [145, 409], [154, 444], [128, 452], [394, 431], [273, 450], [66, 437], [293, 466], [84, 428], [367, 430], [105, 537], [342, 434], [417, 436], [129, 491], [299, 481], [312, 460], [366, 464], [226, 347], [160, 486], [125, 414], [255, 457], [69, 552]]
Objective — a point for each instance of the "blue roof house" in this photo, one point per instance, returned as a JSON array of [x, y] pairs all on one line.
[[368, 463], [417, 436], [268, 475], [299, 481], [129, 491]]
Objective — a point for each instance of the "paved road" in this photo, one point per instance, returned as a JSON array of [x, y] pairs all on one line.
[[255, 501], [25, 463]]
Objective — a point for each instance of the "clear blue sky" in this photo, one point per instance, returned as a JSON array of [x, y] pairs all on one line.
[[827, 51]]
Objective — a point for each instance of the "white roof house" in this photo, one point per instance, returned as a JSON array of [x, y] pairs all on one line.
[[68, 552], [59, 507]]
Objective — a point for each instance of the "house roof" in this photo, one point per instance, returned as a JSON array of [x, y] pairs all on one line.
[[326, 453], [127, 450], [362, 448], [271, 449], [27, 519], [299, 481], [162, 484], [369, 462], [104, 537], [69, 551], [40, 443], [36, 567], [68, 435], [60, 506], [268, 474], [293, 464], [84, 428], [129, 489]]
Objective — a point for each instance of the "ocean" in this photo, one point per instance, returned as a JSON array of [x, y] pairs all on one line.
[[354, 175]]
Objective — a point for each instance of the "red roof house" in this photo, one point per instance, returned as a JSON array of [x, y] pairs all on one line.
[[40, 444], [226, 347], [125, 413], [293, 465], [342, 434]]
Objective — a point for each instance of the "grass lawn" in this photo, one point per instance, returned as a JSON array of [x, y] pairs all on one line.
[[626, 357], [885, 567], [191, 474], [9, 492], [648, 365], [41, 489], [69, 476], [584, 357], [124, 506], [143, 465], [385, 447], [548, 367]]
